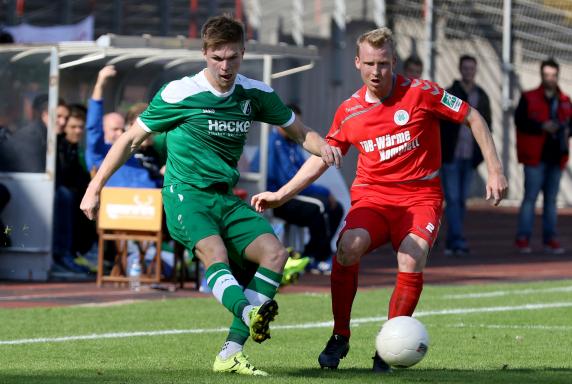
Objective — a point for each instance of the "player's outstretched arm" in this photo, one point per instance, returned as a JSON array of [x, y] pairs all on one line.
[[497, 185], [314, 143], [121, 150], [306, 175]]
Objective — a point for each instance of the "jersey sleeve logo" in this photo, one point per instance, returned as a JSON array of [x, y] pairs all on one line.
[[245, 107], [401, 117], [451, 101]]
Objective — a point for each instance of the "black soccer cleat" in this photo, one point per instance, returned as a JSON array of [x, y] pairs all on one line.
[[337, 348], [380, 366]]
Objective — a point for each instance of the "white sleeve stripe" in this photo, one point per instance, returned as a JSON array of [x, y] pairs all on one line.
[[290, 121], [143, 125]]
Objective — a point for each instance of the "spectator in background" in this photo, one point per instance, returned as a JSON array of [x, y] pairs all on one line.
[[27, 146], [461, 155], [73, 233], [103, 131], [542, 121], [4, 230], [314, 207], [152, 154], [413, 67], [62, 115]]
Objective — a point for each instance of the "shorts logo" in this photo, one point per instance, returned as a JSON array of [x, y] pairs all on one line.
[[401, 117], [451, 101], [430, 227], [245, 107]]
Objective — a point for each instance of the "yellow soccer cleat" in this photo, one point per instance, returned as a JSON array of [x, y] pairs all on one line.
[[237, 363], [260, 318], [293, 269]]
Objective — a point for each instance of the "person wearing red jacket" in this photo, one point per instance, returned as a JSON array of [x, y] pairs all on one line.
[[542, 121]]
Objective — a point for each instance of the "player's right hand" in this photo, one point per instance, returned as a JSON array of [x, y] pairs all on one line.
[[90, 204], [265, 200], [105, 73]]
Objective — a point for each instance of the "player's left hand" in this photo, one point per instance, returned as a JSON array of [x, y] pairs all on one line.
[[497, 188], [331, 155], [265, 200]]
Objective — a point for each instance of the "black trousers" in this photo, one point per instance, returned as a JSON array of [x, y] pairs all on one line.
[[316, 213]]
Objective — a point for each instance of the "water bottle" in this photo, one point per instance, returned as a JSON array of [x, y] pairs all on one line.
[[135, 275]]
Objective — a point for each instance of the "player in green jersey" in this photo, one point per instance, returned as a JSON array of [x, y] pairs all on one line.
[[206, 118]]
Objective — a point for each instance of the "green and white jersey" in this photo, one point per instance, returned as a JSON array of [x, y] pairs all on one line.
[[206, 129]]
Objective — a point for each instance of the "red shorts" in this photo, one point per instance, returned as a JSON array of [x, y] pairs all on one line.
[[391, 213]]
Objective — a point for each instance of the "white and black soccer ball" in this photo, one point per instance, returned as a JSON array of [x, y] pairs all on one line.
[[402, 341]]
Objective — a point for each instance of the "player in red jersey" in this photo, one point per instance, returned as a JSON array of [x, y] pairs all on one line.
[[396, 196]]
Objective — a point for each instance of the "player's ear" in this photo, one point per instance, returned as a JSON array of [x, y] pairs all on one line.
[[357, 63]]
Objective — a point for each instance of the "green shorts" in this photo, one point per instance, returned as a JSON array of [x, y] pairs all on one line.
[[193, 214]]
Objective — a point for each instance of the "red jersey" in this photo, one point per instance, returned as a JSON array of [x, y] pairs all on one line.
[[398, 138]]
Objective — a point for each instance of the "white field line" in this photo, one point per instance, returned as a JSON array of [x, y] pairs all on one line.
[[508, 292], [514, 326], [323, 324]]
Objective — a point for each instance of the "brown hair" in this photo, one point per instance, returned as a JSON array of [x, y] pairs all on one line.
[[78, 111], [221, 30], [377, 38], [133, 112]]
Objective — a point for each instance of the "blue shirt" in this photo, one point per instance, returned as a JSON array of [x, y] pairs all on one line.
[[132, 174], [285, 157]]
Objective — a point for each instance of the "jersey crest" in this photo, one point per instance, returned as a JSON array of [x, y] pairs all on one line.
[[401, 117], [245, 107]]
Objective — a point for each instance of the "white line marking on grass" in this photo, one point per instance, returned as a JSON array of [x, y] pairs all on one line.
[[506, 293], [323, 324], [500, 326], [113, 335]]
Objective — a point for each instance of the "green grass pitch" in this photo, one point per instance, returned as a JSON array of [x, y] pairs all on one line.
[[505, 333]]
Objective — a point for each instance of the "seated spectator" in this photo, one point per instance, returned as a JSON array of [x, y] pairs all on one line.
[[27, 146], [315, 208], [144, 169], [73, 234], [103, 131], [4, 231], [152, 154]]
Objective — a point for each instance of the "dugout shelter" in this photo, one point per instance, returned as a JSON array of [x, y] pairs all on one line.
[[68, 70]]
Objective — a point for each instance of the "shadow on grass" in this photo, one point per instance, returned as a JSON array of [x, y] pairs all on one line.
[[360, 376], [501, 376]]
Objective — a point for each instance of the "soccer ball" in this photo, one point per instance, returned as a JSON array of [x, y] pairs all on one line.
[[402, 341]]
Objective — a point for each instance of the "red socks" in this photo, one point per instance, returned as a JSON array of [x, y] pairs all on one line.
[[406, 294], [344, 283]]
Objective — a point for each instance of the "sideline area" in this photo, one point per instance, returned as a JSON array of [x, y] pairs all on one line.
[[490, 232]]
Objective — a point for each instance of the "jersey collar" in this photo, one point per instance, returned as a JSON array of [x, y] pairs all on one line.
[[370, 99], [202, 80]]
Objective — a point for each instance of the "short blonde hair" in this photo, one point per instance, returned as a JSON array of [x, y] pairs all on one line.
[[377, 38]]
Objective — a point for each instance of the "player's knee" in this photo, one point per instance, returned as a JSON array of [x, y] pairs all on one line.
[[411, 262], [276, 256], [350, 248]]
